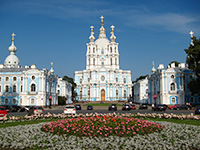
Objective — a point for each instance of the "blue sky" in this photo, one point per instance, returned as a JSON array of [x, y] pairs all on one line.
[[57, 31]]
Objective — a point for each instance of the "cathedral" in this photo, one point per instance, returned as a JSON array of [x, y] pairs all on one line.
[[30, 86], [103, 80]]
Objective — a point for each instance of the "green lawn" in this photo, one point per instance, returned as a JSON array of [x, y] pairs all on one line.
[[98, 104]]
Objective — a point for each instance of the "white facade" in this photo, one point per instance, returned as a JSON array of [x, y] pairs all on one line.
[[103, 80], [28, 85], [141, 91]]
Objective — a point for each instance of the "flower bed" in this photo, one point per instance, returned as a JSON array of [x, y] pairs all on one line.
[[173, 136], [102, 126]]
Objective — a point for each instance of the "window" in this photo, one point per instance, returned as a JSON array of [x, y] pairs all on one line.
[[115, 50], [32, 101], [33, 88], [58, 92], [0, 88], [33, 77], [7, 78], [21, 88], [115, 61], [88, 79], [116, 79], [0, 78], [110, 61], [191, 99], [80, 81], [124, 80], [102, 51], [6, 101], [102, 63], [172, 86], [89, 61], [14, 88], [93, 61], [14, 78], [20, 101], [88, 93], [14, 101], [102, 78], [21, 78], [111, 50], [93, 50], [172, 76], [117, 94], [7, 88], [81, 94], [173, 100], [58, 86], [124, 93]]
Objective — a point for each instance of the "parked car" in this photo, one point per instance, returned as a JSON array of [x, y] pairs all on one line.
[[173, 106], [89, 107], [197, 110], [35, 110], [112, 107], [19, 108], [182, 106], [9, 108], [69, 109], [126, 107], [160, 107], [143, 106], [132, 106], [27, 108], [78, 107], [3, 111]]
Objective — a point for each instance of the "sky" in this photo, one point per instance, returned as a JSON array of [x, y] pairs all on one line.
[[58, 30]]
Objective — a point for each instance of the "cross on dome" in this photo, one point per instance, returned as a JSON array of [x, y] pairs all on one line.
[[13, 35], [191, 33], [102, 20], [92, 27]]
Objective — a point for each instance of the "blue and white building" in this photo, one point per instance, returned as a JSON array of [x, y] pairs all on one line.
[[29, 85], [103, 80]]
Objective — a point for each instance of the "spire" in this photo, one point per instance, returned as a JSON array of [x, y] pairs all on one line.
[[153, 70], [92, 38], [191, 33], [51, 70], [112, 37], [12, 48], [102, 30]]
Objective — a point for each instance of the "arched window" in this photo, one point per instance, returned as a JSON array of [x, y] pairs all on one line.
[[172, 86], [93, 50], [7, 88], [102, 51], [81, 94], [21, 88], [102, 63], [115, 61], [14, 78], [33, 87], [124, 93], [14, 101], [93, 61], [117, 94], [58, 92], [89, 61], [14, 88], [173, 100], [116, 79], [110, 61], [111, 50], [88, 93], [124, 80], [89, 50], [6, 101], [80, 81], [7, 78], [115, 50]]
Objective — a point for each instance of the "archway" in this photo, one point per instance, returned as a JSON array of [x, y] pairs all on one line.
[[103, 95]]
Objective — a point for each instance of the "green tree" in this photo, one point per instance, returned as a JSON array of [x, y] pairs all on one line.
[[176, 63], [71, 80], [193, 61]]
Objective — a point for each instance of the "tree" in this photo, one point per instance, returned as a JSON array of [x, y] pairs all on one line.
[[193, 61], [71, 80], [176, 63]]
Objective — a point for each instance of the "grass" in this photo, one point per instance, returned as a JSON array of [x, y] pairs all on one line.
[[98, 104]]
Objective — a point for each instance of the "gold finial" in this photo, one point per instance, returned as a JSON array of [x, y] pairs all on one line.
[[191, 33], [153, 63], [13, 35], [112, 27], [101, 20], [51, 64], [92, 27]]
